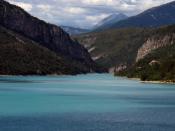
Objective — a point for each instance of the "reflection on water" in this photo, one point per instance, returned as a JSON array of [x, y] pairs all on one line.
[[93, 102]]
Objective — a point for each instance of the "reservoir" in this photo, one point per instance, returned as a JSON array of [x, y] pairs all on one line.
[[91, 102]]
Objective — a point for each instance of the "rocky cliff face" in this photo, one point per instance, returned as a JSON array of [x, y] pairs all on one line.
[[22, 56], [115, 49], [47, 35], [154, 43]]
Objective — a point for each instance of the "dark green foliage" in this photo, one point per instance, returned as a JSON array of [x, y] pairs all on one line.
[[164, 69], [116, 46], [46, 35], [120, 46], [21, 56]]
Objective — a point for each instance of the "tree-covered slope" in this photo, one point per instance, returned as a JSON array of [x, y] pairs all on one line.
[[47, 35], [135, 52], [156, 57], [114, 48], [21, 56], [158, 65]]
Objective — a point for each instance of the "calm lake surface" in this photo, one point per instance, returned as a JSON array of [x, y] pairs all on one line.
[[93, 102]]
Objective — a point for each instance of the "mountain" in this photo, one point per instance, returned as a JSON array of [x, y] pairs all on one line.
[[74, 31], [115, 48], [154, 17], [19, 55], [46, 35], [134, 52], [158, 65], [102, 25], [110, 20], [156, 57]]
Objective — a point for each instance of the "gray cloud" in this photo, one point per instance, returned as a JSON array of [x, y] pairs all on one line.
[[84, 13]]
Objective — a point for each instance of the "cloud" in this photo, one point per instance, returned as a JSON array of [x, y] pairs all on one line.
[[74, 10], [94, 19], [25, 6], [83, 13], [45, 8]]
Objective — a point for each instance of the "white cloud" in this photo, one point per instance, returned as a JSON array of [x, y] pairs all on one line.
[[94, 19], [83, 13], [44, 8], [74, 10], [99, 2], [25, 6]]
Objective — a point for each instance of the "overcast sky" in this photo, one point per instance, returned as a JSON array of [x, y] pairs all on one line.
[[83, 13]]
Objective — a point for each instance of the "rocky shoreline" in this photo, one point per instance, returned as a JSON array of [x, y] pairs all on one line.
[[159, 82], [153, 82]]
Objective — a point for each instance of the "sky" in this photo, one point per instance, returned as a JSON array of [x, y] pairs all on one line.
[[83, 13]]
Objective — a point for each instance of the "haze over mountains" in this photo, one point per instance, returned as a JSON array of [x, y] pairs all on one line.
[[154, 17], [109, 21], [74, 30], [102, 25]]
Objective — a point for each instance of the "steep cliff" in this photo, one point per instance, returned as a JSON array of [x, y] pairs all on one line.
[[156, 58], [115, 49], [154, 43], [47, 35], [158, 65], [21, 56]]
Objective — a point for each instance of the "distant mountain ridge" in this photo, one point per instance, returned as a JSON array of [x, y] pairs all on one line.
[[73, 30], [154, 17], [108, 21]]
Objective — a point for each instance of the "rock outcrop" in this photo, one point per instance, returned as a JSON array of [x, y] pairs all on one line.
[[47, 35], [154, 43], [21, 56], [115, 49], [118, 68]]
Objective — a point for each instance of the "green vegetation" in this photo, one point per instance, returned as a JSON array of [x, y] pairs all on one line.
[[120, 47], [115, 46], [159, 65], [21, 56], [156, 66]]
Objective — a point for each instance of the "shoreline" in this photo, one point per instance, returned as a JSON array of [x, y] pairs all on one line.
[[54, 74], [136, 79], [158, 82], [153, 82]]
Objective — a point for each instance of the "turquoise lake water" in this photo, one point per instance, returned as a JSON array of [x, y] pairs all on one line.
[[92, 102]]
